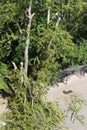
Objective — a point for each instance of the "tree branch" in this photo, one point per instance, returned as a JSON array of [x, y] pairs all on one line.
[[15, 67]]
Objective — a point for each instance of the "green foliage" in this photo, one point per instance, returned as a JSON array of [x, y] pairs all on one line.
[[75, 108], [43, 116], [19, 51], [25, 115], [82, 48], [50, 50], [3, 73], [3, 85], [3, 69], [7, 13]]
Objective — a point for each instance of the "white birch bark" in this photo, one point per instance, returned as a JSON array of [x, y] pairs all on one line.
[[28, 37], [48, 15]]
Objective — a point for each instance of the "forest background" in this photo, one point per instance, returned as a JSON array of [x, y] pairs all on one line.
[[48, 48]]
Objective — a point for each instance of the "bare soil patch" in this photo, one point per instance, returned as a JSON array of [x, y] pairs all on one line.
[[62, 94]]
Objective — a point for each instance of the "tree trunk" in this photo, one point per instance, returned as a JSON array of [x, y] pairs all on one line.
[[29, 20], [22, 78], [57, 23], [48, 15]]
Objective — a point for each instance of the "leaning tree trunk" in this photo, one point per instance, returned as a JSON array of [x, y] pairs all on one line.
[[29, 20]]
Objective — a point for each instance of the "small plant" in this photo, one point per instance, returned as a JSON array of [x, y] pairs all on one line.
[[75, 107]]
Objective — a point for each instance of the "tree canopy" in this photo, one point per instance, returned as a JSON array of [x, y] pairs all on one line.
[[50, 48]]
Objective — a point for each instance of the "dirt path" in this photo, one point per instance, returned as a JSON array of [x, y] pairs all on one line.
[[75, 86]]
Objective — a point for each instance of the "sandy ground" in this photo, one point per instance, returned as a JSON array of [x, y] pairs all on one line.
[[3, 106], [3, 109], [62, 94]]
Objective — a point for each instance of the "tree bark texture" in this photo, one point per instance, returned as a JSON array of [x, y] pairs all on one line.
[[29, 20]]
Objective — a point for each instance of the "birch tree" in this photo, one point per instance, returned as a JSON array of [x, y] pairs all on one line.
[[48, 15], [29, 17]]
